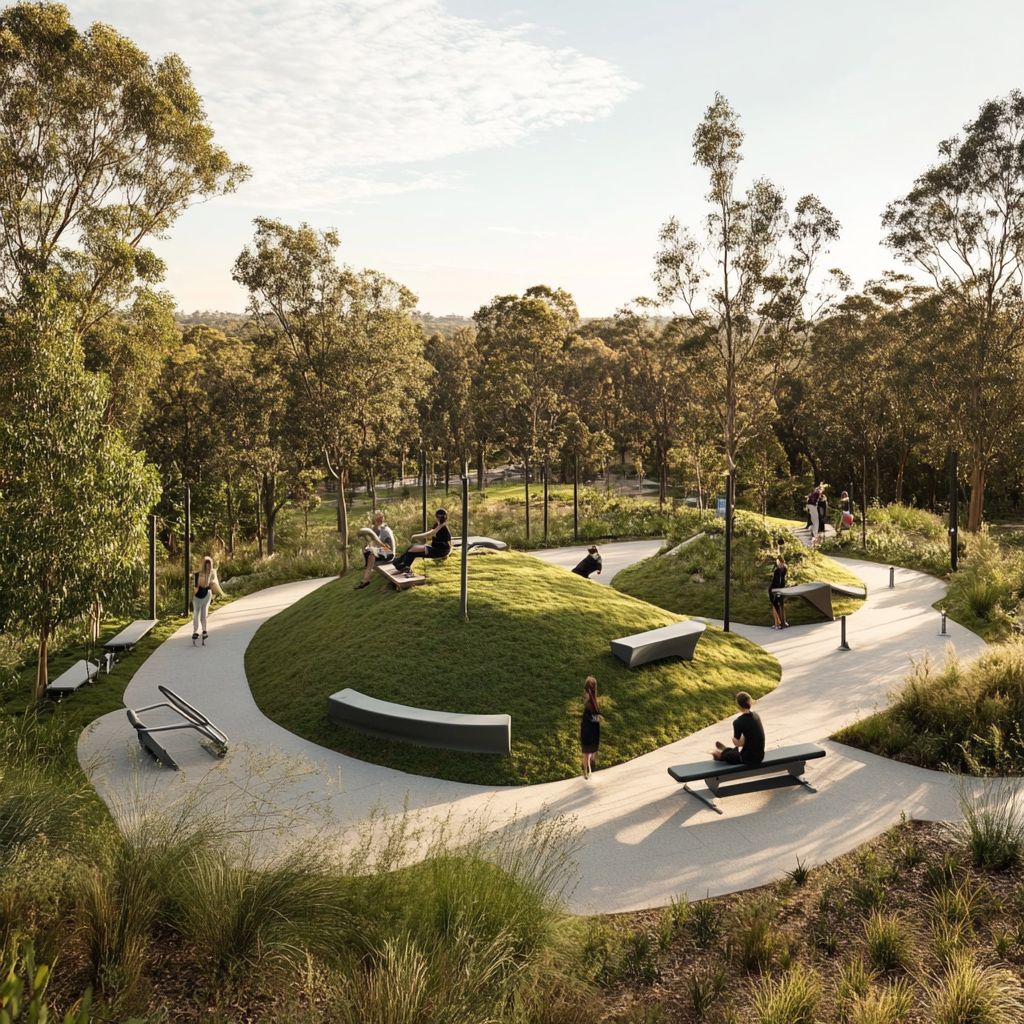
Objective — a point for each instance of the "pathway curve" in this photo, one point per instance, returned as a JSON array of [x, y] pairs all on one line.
[[646, 840]]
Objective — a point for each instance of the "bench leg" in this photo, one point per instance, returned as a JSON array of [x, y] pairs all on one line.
[[711, 791], [797, 771]]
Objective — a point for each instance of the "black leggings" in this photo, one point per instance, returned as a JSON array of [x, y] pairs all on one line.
[[410, 556]]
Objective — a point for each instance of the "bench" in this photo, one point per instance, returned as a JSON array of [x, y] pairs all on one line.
[[481, 542], [838, 588], [79, 674], [818, 595], [402, 581], [678, 639], [481, 734], [131, 635], [194, 719], [785, 764]]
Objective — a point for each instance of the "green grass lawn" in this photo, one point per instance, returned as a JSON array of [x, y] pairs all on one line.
[[691, 582], [535, 632]]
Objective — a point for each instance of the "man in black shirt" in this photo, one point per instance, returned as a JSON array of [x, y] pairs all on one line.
[[592, 563], [747, 737], [440, 545]]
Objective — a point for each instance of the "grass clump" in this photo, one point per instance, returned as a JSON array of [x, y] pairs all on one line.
[[792, 998], [985, 593], [968, 993], [690, 581], [534, 633], [993, 825], [957, 717], [889, 942]]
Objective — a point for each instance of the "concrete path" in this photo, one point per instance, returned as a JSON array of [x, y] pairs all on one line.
[[645, 839], [613, 556]]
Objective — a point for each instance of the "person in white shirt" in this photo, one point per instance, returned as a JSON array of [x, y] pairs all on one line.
[[374, 553]]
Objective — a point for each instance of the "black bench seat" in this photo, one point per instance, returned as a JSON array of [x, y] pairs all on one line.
[[786, 764]]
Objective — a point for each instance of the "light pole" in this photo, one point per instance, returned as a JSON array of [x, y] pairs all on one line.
[[188, 549], [729, 496], [954, 513], [464, 581]]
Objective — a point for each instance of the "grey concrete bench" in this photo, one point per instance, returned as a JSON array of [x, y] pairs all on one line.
[[679, 639], [483, 734], [481, 542], [79, 674], [786, 764], [818, 595], [131, 635], [838, 588], [193, 719], [401, 580]]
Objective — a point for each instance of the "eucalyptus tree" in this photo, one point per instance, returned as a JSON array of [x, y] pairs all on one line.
[[101, 148], [962, 223], [344, 340], [747, 292], [449, 402], [522, 340]]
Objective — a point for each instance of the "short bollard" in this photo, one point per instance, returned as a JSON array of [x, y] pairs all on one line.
[[892, 577], [110, 660], [943, 632], [843, 645]]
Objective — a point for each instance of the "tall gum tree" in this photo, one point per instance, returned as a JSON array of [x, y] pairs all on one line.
[[747, 290], [963, 224]]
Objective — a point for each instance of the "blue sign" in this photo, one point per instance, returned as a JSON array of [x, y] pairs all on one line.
[[721, 508]]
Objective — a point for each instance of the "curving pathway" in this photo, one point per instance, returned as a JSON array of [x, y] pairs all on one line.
[[645, 839]]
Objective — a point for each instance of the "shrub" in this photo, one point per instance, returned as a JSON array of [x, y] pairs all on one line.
[[672, 920], [993, 825], [703, 989], [752, 942], [790, 999], [706, 922], [889, 1005], [889, 942], [970, 994], [854, 981]]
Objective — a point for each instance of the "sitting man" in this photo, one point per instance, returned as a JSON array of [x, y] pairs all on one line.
[[373, 553], [747, 737], [441, 543], [592, 563]]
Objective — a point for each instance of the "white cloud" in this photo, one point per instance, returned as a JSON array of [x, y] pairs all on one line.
[[307, 90]]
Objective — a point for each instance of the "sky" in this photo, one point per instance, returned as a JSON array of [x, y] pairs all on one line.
[[473, 148]]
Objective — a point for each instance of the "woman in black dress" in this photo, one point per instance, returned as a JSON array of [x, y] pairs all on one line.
[[590, 726], [777, 600]]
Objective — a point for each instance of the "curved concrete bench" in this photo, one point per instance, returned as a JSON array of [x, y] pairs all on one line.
[[817, 595], [838, 588], [481, 734], [481, 542], [679, 639]]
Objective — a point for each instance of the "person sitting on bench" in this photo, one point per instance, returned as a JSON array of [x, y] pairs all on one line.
[[440, 545], [373, 553], [592, 563], [747, 737]]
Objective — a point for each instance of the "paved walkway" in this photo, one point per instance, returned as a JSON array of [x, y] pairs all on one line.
[[646, 840]]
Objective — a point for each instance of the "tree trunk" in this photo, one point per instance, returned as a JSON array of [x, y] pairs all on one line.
[[42, 679], [976, 510], [259, 519], [269, 511], [231, 515], [479, 467], [446, 476], [663, 483], [864, 501], [526, 478], [899, 477], [343, 521]]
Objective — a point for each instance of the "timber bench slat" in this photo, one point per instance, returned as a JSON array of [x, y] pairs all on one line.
[[131, 634], [786, 764], [679, 639], [399, 579], [79, 674], [483, 734]]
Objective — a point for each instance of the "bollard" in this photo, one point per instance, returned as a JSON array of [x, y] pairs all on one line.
[[892, 577], [943, 632], [843, 645], [110, 660]]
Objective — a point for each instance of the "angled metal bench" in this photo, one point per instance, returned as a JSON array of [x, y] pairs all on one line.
[[131, 635], [783, 766], [817, 595], [838, 588], [481, 734], [679, 639], [79, 674], [194, 719]]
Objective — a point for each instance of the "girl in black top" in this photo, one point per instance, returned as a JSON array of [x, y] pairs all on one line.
[[592, 563], [590, 726], [777, 600], [440, 545]]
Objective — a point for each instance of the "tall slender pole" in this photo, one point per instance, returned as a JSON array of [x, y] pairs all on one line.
[[423, 476], [576, 496], [954, 512], [152, 567], [729, 495], [188, 548], [464, 580], [545, 499]]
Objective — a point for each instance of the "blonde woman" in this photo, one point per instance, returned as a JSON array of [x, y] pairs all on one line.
[[204, 585]]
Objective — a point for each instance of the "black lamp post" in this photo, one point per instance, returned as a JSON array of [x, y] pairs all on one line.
[[576, 496], [729, 497], [188, 549], [152, 567], [464, 581], [423, 477], [953, 461]]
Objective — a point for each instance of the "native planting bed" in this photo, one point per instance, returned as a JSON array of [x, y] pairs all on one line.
[[691, 580], [534, 633]]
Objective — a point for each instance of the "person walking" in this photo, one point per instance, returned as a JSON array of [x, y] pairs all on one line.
[[590, 726], [822, 509], [374, 553], [592, 563], [812, 512], [845, 521], [747, 736], [778, 601], [204, 585]]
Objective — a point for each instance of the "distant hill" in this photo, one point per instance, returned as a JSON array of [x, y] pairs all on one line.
[[445, 325], [210, 317]]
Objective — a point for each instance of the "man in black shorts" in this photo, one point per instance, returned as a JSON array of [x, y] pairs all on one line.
[[747, 737]]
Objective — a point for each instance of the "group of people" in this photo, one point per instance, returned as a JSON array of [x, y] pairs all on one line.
[[817, 513], [435, 543]]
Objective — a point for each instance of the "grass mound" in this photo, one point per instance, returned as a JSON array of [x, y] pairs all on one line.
[[957, 717], [690, 582], [534, 633]]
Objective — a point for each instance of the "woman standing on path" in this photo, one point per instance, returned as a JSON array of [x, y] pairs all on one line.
[[777, 600], [845, 514], [812, 511], [590, 726], [205, 585]]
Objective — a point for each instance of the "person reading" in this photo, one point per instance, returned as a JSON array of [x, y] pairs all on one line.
[[440, 545], [382, 551], [747, 736], [592, 563]]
